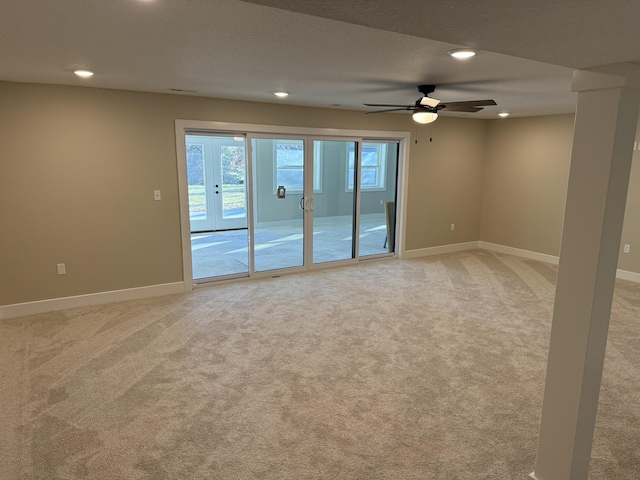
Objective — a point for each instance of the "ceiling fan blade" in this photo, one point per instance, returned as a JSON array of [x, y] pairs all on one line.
[[468, 106], [385, 105], [472, 103], [459, 108], [391, 110]]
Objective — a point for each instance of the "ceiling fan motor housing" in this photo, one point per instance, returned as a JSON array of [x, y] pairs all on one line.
[[426, 89], [426, 108]]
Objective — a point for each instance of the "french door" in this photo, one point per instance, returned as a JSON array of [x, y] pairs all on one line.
[[217, 182], [263, 203]]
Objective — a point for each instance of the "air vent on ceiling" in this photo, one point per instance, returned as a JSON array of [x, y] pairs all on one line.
[[182, 90]]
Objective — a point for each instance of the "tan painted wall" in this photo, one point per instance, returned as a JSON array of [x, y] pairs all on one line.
[[631, 228], [525, 182], [526, 174], [445, 183], [78, 167]]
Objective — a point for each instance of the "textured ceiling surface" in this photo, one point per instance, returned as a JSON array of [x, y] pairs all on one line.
[[572, 33], [327, 53]]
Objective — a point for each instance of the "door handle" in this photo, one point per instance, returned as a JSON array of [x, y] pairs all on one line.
[[307, 203]]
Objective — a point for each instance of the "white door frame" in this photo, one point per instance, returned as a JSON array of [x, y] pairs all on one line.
[[183, 127]]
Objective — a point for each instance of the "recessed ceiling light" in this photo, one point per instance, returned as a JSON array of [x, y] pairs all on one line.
[[462, 53], [503, 114], [84, 73], [280, 94]]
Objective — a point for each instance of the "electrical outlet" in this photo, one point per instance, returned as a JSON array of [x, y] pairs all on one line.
[[627, 248], [453, 227], [62, 270]]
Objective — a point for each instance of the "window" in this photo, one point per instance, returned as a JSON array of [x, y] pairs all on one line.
[[374, 161], [289, 166]]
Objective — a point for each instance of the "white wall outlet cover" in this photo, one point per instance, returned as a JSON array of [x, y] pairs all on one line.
[[62, 270]]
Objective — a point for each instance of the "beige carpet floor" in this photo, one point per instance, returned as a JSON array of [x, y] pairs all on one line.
[[428, 368]]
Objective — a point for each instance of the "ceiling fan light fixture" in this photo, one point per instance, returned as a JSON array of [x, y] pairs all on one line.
[[83, 73], [281, 94], [424, 116], [503, 114], [462, 53]]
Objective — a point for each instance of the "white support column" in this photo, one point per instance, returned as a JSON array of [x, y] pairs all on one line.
[[605, 126]]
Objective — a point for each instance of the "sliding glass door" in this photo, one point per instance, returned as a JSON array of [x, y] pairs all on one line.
[[279, 203], [299, 202], [334, 203], [377, 187], [217, 178]]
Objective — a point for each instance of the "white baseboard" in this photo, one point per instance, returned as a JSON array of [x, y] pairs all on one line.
[[424, 252], [622, 274], [626, 275], [51, 305], [518, 252]]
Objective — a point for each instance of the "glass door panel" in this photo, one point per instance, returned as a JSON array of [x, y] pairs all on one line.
[[216, 173], [278, 203], [378, 179], [333, 201], [200, 216], [231, 209]]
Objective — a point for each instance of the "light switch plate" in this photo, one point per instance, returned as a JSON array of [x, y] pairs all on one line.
[[156, 195]]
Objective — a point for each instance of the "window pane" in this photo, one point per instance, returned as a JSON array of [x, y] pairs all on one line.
[[195, 164], [290, 155], [233, 168], [195, 179], [369, 157], [369, 177], [232, 159], [291, 178]]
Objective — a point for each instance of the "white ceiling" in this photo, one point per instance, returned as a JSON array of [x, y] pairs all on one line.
[[330, 53]]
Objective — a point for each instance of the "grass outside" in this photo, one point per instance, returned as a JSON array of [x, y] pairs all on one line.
[[233, 197]]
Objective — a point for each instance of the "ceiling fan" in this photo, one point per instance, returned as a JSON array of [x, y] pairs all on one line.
[[425, 110]]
